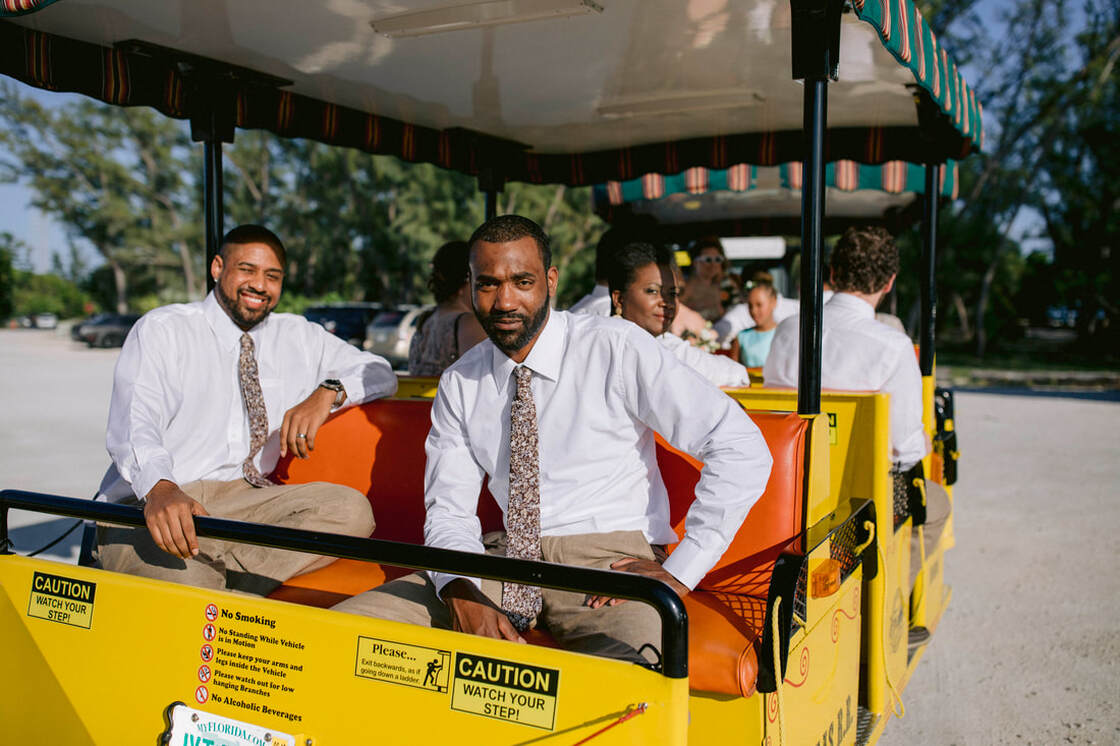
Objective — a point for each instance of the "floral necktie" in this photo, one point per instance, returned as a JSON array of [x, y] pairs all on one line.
[[254, 405], [522, 603]]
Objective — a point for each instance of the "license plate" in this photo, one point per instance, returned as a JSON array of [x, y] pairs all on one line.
[[191, 727]]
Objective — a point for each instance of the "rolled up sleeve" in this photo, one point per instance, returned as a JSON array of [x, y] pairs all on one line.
[[699, 419], [363, 375]]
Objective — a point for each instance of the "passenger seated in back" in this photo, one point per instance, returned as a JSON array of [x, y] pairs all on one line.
[[644, 290], [450, 329], [859, 353], [751, 346]]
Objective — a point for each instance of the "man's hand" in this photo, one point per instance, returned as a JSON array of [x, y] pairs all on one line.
[[649, 568], [301, 422], [169, 513], [473, 613]]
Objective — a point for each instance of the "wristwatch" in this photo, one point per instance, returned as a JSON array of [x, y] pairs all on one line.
[[340, 393]]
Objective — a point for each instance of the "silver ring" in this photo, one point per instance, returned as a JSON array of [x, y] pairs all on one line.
[[301, 435]]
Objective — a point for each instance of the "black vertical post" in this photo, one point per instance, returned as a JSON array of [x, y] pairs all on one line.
[[812, 248], [213, 204], [491, 203], [490, 181], [212, 107], [815, 41], [929, 269]]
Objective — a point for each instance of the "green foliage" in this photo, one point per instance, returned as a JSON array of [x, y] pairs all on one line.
[[34, 293]]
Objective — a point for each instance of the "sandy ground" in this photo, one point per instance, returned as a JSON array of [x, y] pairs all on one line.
[[1026, 654]]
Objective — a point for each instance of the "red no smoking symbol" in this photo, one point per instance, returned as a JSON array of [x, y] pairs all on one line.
[[211, 612], [201, 694], [206, 653], [204, 674], [208, 632]]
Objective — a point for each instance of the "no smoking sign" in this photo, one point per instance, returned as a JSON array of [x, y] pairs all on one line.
[[211, 612]]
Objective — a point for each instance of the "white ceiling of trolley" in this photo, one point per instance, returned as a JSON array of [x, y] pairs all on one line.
[[640, 71]]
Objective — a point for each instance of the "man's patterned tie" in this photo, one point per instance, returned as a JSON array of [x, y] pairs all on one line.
[[522, 603], [254, 405]]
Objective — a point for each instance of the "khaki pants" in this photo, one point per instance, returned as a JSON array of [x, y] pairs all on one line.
[[318, 506], [938, 509], [629, 631]]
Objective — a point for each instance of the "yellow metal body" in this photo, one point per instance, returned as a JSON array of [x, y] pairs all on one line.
[[859, 467], [330, 677]]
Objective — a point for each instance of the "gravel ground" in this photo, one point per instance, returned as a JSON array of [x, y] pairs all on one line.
[[1026, 654]]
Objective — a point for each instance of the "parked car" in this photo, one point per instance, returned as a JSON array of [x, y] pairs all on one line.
[[45, 321], [390, 333], [346, 321], [108, 331], [76, 329]]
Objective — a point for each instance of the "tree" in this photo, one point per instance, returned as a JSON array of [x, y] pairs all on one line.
[[113, 177]]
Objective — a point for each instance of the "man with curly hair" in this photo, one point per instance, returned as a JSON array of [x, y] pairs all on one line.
[[857, 352], [860, 353]]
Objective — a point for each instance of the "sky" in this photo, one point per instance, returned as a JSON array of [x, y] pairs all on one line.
[[46, 236]]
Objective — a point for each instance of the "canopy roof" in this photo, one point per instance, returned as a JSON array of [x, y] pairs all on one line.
[[746, 200], [644, 86]]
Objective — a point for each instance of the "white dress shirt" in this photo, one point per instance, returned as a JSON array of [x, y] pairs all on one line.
[[177, 413], [719, 369], [738, 318], [859, 353], [601, 388], [597, 302]]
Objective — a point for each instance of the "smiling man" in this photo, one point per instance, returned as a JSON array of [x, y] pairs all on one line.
[[559, 411], [206, 397]]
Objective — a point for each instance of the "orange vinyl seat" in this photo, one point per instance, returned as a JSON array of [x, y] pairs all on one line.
[[378, 448]]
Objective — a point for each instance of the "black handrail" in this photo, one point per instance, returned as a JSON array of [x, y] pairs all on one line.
[[674, 619]]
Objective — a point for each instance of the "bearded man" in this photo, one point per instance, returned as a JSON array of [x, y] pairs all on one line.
[[559, 410], [207, 397]]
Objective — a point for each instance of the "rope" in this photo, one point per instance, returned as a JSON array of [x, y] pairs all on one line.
[[775, 629], [632, 712], [896, 701], [869, 527], [66, 533]]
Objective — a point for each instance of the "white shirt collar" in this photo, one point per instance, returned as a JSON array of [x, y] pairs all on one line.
[[545, 357], [227, 333], [853, 304]]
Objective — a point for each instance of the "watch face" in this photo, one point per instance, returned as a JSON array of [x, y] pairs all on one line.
[[332, 383]]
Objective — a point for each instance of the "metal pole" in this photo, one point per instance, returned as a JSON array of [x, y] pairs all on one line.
[[491, 203], [929, 269], [212, 202], [812, 247]]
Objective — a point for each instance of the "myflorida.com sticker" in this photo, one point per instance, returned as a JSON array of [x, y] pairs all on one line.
[[505, 690]]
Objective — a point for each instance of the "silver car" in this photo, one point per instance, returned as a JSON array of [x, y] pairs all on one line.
[[390, 333]]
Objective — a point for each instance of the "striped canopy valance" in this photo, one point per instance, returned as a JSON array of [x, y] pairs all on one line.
[[895, 177], [909, 38]]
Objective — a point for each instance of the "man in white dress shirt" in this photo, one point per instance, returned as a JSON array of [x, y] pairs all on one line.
[[860, 353], [206, 397], [598, 301], [600, 388]]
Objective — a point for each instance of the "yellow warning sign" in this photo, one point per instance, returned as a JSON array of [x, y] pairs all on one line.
[[505, 690], [400, 663], [63, 600]]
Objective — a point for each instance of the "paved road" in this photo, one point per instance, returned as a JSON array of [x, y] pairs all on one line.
[[1027, 653]]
